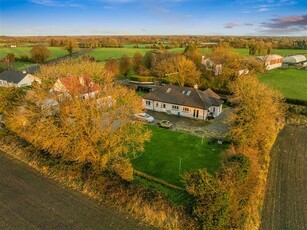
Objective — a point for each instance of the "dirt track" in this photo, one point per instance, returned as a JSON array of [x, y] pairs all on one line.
[[29, 200], [285, 204]]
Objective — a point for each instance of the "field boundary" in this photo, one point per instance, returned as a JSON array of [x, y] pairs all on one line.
[[157, 180]]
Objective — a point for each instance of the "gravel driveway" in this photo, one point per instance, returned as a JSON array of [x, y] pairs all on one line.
[[216, 128]]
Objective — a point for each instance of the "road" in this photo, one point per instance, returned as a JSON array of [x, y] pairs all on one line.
[[29, 200], [285, 205]]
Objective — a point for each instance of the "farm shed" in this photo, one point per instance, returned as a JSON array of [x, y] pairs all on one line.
[[295, 59]]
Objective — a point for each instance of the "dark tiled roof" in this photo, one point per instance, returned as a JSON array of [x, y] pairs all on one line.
[[33, 69], [186, 96], [12, 76]]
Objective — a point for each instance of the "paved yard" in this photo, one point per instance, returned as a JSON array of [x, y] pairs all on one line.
[[217, 127], [29, 200]]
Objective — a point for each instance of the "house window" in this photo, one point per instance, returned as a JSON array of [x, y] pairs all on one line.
[[163, 106], [185, 109], [175, 107], [157, 104], [213, 109], [147, 102]]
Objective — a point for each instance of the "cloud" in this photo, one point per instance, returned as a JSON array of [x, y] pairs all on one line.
[[231, 25], [251, 6], [56, 3], [263, 9], [289, 24]]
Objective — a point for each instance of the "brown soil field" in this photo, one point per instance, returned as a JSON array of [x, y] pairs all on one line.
[[285, 205], [28, 200]]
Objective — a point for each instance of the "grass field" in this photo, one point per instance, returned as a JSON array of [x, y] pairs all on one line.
[[162, 155], [102, 54], [18, 51], [291, 82], [282, 52]]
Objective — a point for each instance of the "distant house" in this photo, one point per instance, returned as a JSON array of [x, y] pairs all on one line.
[[9, 78], [184, 101], [210, 65], [271, 61], [81, 86]]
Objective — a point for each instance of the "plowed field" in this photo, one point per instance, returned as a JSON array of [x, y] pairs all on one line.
[[285, 204]]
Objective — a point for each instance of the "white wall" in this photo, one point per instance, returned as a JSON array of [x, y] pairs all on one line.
[[216, 110], [28, 80], [179, 110]]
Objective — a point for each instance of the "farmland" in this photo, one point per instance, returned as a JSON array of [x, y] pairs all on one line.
[[282, 52], [291, 82], [165, 151], [56, 52], [285, 201]]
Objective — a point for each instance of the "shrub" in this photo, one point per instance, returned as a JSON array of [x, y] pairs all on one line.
[[212, 202], [241, 164], [142, 78]]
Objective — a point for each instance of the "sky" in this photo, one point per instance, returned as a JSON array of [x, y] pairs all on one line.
[[153, 17]]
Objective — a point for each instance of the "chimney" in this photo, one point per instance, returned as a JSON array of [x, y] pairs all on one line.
[[195, 86], [202, 58]]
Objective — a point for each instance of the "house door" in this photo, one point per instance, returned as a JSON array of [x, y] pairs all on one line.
[[195, 113]]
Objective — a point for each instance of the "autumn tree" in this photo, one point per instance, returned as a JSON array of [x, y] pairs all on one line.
[[112, 67], [99, 131], [40, 53], [193, 53], [212, 201], [258, 114], [137, 60], [70, 45], [124, 65], [8, 60], [177, 69], [148, 59]]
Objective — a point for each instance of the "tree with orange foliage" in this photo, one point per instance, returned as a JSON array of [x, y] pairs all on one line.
[[99, 131]]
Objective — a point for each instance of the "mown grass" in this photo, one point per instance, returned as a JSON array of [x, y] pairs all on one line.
[[56, 52], [102, 54], [282, 52], [162, 155], [291, 82]]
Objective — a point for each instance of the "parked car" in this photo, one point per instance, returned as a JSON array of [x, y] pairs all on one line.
[[165, 124], [144, 117]]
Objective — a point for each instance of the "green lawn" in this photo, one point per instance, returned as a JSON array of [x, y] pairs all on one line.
[[282, 52], [291, 82], [56, 52], [162, 155], [103, 54], [18, 51]]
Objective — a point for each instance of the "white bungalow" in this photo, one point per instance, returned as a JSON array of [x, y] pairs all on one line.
[[9, 78], [184, 101]]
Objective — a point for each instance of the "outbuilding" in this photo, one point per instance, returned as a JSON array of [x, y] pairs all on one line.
[[271, 61], [295, 59]]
